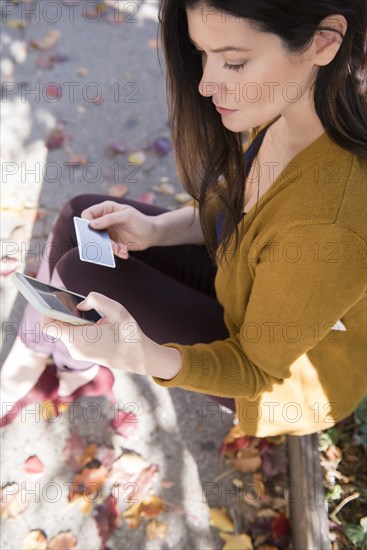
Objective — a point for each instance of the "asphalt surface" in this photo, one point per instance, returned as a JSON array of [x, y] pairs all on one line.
[[112, 90]]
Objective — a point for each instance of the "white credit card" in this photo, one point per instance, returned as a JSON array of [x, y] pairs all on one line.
[[94, 246]]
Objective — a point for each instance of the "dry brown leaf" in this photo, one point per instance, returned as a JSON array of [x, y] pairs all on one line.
[[63, 541], [13, 501], [51, 38], [156, 529], [87, 485], [219, 518], [167, 484], [35, 540], [118, 190], [236, 542], [247, 460]]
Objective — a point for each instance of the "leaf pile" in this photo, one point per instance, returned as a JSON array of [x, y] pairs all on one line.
[[343, 450], [260, 469]]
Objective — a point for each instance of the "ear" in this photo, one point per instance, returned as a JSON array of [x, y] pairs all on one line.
[[328, 38]]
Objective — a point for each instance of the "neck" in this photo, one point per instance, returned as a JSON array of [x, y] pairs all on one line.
[[297, 127]]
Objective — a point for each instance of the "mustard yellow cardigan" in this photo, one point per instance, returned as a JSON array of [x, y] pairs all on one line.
[[294, 299]]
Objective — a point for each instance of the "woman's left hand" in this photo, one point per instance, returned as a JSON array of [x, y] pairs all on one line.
[[115, 341]]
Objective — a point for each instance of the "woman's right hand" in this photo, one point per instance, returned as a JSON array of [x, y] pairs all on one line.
[[128, 228]]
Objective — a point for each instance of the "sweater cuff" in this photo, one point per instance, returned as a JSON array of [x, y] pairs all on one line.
[[181, 377]]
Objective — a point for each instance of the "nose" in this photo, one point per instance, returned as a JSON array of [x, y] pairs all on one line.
[[208, 84]]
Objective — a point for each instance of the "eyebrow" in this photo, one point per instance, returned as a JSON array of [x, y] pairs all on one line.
[[225, 49]]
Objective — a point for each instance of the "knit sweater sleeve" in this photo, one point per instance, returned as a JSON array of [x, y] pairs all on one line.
[[305, 278]]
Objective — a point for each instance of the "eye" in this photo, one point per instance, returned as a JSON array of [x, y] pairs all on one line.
[[234, 67]]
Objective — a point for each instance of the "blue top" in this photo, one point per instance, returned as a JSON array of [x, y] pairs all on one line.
[[249, 157]]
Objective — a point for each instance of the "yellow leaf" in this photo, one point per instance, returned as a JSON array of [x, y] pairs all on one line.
[[137, 158], [149, 507], [220, 519], [16, 23], [156, 529], [236, 542]]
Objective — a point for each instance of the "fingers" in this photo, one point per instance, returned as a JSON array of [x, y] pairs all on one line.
[[100, 209], [101, 303], [105, 221], [120, 250]]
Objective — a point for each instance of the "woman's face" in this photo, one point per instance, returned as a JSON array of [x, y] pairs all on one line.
[[258, 82]]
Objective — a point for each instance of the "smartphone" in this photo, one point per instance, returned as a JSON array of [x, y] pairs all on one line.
[[94, 246], [54, 302]]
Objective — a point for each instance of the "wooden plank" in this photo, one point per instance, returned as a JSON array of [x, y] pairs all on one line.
[[308, 510]]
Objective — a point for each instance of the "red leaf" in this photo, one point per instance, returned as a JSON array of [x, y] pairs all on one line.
[[74, 451], [53, 91], [118, 190], [280, 526], [33, 466], [106, 517], [57, 138], [124, 423]]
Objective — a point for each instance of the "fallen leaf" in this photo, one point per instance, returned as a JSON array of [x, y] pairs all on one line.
[[13, 501], [59, 57], [183, 197], [54, 91], [147, 198], [57, 138], [167, 484], [149, 507], [87, 485], [124, 423], [137, 158], [74, 159], [162, 146], [8, 265], [106, 456], [165, 188], [118, 190], [35, 540], [63, 541], [73, 452], [16, 24], [144, 483], [219, 518], [127, 465], [51, 38], [246, 460], [156, 529], [106, 517], [116, 148], [33, 466], [82, 71], [236, 542], [280, 526], [44, 62]]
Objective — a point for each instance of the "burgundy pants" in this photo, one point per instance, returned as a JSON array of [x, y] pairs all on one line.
[[169, 290]]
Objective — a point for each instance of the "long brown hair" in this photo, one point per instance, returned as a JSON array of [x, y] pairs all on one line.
[[207, 154]]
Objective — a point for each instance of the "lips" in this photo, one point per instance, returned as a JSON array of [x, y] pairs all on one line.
[[223, 110]]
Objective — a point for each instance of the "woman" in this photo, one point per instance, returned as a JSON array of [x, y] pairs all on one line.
[[254, 293]]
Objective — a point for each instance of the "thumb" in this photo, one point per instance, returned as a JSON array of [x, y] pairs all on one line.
[[101, 303]]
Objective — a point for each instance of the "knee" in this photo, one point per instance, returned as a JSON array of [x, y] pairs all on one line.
[[76, 205]]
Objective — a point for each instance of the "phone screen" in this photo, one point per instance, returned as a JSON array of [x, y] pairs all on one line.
[[64, 301]]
